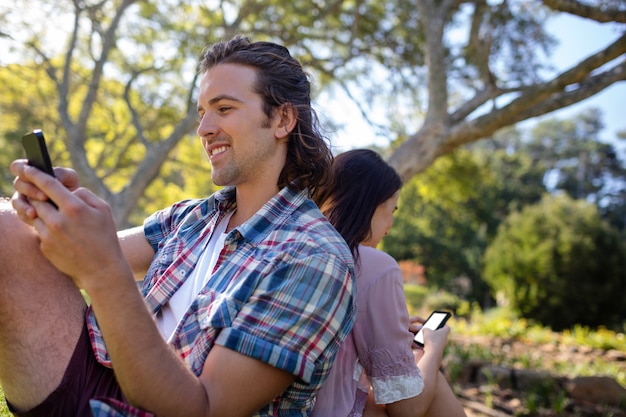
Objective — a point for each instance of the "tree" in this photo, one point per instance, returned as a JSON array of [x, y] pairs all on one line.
[[26, 111], [557, 262], [578, 163], [450, 213], [513, 86], [116, 152], [136, 60], [479, 61]]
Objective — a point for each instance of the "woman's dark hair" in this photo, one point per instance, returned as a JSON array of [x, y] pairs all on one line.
[[362, 182], [282, 81]]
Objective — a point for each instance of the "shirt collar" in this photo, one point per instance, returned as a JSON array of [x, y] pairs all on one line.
[[269, 217]]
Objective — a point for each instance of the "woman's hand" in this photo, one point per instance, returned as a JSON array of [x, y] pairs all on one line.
[[434, 340], [415, 323]]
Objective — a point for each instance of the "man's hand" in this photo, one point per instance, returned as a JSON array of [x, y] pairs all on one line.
[[26, 191], [79, 238]]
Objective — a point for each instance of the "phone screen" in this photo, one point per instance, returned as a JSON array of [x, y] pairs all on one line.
[[436, 320]]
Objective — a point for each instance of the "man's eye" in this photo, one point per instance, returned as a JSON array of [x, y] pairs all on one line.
[[223, 109]]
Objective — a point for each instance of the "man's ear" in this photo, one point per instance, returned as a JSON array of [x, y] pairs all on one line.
[[287, 117]]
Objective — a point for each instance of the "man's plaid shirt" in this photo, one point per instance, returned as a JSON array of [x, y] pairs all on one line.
[[281, 292]]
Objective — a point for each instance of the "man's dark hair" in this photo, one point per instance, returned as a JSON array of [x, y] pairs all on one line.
[[281, 81], [362, 182]]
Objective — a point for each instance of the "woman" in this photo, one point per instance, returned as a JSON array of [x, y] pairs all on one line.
[[378, 352]]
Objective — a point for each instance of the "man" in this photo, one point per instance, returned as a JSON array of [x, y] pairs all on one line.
[[251, 288]]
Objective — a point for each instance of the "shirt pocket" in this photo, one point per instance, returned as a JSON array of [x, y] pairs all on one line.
[[216, 311], [168, 252], [165, 258]]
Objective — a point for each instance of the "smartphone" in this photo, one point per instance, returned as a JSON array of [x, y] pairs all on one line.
[[436, 320], [36, 151]]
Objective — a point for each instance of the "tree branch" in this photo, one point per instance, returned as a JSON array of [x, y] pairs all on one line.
[[434, 16], [584, 90], [596, 13], [432, 141], [490, 92], [533, 95], [108, 44], [479, 46], [134, 115], [514, 112]]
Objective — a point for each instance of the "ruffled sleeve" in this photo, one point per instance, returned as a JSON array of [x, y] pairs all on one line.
[[382, 332]]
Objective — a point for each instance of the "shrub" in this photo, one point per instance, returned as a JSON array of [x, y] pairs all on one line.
[[442, 300], [557, 262], [422, 300], [415, 296]]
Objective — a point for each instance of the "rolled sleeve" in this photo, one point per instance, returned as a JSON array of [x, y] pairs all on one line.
[[296, 317]]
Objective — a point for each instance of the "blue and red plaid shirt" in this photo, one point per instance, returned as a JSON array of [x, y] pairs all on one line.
[[281, 291]]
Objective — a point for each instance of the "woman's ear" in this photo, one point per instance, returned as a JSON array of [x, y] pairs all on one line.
[[287, 117]]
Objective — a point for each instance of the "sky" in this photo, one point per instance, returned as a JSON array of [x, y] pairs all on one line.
[[577, 37]]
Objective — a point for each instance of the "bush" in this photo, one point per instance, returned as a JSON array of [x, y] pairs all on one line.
[[422, 300], [415, 296], [558, 263], [442, 300]]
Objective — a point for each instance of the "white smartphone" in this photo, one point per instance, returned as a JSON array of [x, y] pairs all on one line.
[[436, 320]]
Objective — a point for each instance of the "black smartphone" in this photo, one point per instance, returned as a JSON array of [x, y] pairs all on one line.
[[36, 151], [436, 320]]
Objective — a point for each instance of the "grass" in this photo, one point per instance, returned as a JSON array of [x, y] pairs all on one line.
[[503, 323], [491, 337], [4, 410]]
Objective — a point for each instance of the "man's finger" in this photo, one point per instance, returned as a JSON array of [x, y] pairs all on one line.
[[25, 211]]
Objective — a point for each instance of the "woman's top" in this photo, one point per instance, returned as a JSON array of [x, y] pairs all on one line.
[[378, 350]]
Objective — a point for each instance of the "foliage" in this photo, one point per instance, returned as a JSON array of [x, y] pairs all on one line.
[[431, 226], [600, 338], [558, 263], [4, 410], [415, 296], [504, 323], [120, 75], [186, 174], [29, 111], [441, 300], [421, 300], [492, 77], [576, 162], [448, 214]]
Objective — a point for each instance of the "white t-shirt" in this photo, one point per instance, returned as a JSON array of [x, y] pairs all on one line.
[[169, 316]]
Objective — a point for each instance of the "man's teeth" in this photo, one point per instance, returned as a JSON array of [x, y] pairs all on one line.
[[218, 150]]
